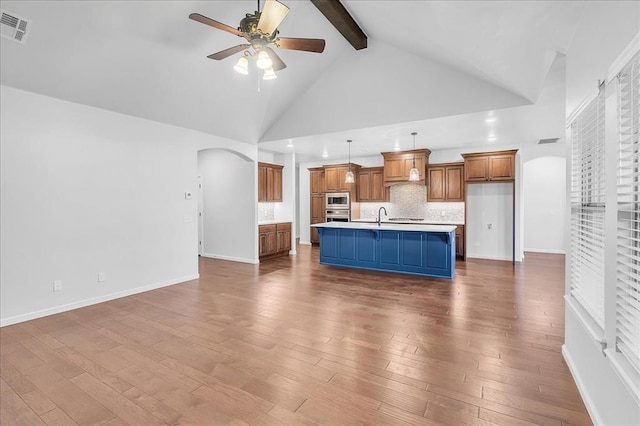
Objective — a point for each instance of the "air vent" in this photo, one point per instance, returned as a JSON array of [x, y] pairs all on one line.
[[552, 140], [14, 27]]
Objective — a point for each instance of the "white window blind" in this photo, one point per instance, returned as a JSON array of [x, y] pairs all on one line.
[[588, 208], [628, 235]]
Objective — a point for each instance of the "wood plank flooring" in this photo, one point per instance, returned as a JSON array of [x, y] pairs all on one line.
[[292, 342]]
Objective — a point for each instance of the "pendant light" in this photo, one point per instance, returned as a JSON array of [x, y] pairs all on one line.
[[349, 177], [414, 174]]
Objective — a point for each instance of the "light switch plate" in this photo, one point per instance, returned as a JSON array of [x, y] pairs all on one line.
[[188, 195], [57, 285]]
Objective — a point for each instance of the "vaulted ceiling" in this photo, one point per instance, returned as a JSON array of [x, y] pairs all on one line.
[[425, 60]]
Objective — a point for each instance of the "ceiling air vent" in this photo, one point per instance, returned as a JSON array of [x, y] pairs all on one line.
[[552, 140], [14, 27]]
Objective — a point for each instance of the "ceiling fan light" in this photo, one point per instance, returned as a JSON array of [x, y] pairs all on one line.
[[269, 74], [242, 66], [264, 61], [414, 175]]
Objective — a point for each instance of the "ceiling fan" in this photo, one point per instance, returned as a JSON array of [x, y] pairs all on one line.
[[260, 29]]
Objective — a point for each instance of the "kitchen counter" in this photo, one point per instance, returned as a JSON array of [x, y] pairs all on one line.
[[389, 226], [272, 222], [414, 222], [427, 250]]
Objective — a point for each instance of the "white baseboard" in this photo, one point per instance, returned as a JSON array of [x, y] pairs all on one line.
[[95, 300], [471, 256], [550, 251], [588, 403], [293, 252], [230, 258], [304, 243]]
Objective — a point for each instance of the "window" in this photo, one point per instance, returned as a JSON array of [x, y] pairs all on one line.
[[588, 208], [628, 205]]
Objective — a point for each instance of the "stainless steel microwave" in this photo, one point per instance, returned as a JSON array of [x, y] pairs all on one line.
[[337, 201]]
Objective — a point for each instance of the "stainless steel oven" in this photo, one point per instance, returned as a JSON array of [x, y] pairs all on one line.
[[337, 201], [337, 215]]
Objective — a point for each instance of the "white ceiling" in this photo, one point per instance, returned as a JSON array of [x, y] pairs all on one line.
[[433, 67]]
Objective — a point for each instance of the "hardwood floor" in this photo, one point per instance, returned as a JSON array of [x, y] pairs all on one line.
[[293, 342]]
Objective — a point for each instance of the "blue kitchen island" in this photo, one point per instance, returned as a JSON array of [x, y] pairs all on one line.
[[427, 250]]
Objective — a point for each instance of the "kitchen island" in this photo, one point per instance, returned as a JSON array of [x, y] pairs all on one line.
[[427, 250]]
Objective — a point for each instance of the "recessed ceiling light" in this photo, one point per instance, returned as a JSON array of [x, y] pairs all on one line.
[[491, 138], [290, 144], [325, 154], [490, 120]]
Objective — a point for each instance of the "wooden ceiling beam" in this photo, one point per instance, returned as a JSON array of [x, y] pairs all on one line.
[[340, 18]]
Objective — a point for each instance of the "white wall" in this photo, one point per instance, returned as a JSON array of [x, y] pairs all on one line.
[[85, 190], [489, 226], [229, 205], [605, 29], [544, 204]]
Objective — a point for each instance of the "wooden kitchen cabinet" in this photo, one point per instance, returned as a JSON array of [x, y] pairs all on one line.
[[317, 207], [274, 239], [316, 180], [498, 166], [267, 240], [398, 164], [460, 242], [317, 215], [371, 185], [283, 236], [269, 182], [445, 182], [335, 175]]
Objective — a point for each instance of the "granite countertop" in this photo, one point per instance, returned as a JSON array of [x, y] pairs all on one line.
[[387, 226], [272, 222], [412, 222]]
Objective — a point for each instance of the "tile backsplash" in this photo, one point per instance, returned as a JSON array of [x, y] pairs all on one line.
[[408, 200], [266, 211]]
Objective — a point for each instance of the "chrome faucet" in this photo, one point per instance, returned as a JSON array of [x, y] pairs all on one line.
[[380, 210]]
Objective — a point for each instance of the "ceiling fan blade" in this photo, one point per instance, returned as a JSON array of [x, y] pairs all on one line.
[[272, 15], [275, 59], [215, 24], [306, 44], [228, 52]]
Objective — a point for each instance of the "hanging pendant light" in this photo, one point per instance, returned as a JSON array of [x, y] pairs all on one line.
[[349, 177], [414, 174]]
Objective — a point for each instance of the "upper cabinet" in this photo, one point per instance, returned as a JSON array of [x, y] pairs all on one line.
[[398, 164], [490, 166], [371, 185], [335, 176], [316, 180], [445, 182], [269, 182]]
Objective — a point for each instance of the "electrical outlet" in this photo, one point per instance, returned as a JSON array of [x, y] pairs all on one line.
[[57, 285], [102, 277], [489, 225]]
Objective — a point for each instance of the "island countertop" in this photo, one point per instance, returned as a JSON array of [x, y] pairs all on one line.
[[386, 226]]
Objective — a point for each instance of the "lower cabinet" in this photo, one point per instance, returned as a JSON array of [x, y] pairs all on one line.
[[460, 242], [274, 239]]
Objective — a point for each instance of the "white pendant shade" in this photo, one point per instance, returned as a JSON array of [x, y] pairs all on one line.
[[414, 175], [269, 74], [349, 177], [242, 66], [264, 61]]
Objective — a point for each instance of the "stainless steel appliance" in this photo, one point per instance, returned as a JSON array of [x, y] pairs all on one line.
[[337, 201], [339, 215]]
